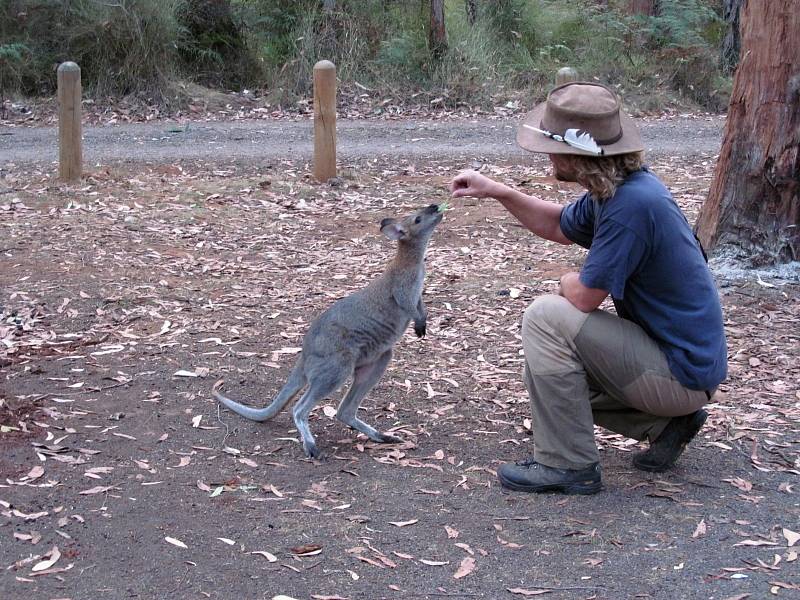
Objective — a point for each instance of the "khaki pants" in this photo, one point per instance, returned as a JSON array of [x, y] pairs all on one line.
[[585, 368]]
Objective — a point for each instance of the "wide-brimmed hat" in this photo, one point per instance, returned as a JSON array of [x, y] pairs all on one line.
[[588, 107]]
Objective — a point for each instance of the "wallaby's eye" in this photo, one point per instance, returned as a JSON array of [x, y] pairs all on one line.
[[418, 220]]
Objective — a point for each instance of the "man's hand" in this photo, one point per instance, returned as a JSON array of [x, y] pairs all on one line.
[[583, 298], [472, 183]]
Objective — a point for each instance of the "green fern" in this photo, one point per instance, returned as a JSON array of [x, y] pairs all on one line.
[[682, 23]]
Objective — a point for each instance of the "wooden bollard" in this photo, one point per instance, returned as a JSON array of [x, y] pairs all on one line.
[[324, 120], [565, 75], [70, 155]]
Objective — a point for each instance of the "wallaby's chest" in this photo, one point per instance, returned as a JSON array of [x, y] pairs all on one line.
[[369, 322], [366, 322]]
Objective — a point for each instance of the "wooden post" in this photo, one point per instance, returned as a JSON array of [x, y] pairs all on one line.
[[324, 120], [70, 155], [565, 75]]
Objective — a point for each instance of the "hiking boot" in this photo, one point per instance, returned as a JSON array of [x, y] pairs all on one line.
[[530, 476], [667, 447]]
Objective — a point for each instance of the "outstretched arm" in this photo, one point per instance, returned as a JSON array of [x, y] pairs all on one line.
[[541, 217]]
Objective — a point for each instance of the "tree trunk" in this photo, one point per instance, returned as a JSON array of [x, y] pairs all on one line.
[[437, 41], [731, 43], [753, 206], [472, 11], [643, 7]]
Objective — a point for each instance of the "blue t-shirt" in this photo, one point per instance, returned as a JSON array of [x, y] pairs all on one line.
[[642, 250]]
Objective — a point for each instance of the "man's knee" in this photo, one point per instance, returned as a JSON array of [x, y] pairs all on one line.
[[553, 313]]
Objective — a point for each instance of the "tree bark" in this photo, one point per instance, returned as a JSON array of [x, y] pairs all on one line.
[[437, 41], [643, 7], [472, 11], [753, 205]]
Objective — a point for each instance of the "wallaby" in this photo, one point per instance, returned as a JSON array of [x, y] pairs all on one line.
[[354, 337]]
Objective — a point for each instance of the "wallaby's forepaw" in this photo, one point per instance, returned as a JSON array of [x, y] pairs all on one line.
[[386, 438], [419, 329]]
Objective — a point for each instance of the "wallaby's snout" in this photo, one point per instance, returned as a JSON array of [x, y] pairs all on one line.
[[425, 219], [418, 225]]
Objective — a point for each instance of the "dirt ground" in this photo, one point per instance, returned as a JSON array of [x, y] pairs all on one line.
[[124, 298]]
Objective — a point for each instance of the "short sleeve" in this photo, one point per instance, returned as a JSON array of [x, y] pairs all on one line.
[[615, 255], [577, 221]]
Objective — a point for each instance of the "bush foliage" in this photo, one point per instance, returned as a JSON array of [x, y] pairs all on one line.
[[494, 46]]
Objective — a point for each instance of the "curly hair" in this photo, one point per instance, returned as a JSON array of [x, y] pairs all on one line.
[[602, 175]]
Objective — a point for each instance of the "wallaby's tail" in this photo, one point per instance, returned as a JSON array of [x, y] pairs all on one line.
[[295, 383]]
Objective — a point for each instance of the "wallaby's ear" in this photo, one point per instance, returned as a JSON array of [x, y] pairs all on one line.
[[392, 229]]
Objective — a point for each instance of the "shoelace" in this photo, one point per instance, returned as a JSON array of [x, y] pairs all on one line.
[[528, 462]]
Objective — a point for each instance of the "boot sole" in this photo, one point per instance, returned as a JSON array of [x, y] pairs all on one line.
[[660, 468], [583, 489]]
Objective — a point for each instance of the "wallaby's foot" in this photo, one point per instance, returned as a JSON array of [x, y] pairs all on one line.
[[371, 432], [300, 417], [310, 449]]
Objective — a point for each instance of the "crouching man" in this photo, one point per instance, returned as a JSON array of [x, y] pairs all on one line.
[[645, 372]]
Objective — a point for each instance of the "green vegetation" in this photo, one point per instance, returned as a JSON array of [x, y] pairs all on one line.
[[146, 47]]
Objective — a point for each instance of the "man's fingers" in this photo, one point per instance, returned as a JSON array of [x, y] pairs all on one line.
[[463, 184], [459, 184]]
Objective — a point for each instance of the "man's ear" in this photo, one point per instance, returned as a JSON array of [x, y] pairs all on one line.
[[392, 229]]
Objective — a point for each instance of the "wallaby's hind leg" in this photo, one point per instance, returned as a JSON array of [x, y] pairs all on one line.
[[296, 382], [364, 379], [322, 382]]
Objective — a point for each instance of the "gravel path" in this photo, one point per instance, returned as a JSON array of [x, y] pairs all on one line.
[[357, 140]]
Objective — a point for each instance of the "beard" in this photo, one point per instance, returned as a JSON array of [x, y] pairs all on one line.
[[560, 176]]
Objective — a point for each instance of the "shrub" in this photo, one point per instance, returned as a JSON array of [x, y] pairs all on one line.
[[144, 46], [121, 48], [124, 48], [13, 60], [213, 46]]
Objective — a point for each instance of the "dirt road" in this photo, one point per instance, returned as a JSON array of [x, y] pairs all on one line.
[[357, 139]]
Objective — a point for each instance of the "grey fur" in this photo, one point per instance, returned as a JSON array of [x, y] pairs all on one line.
[[354, 337]]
